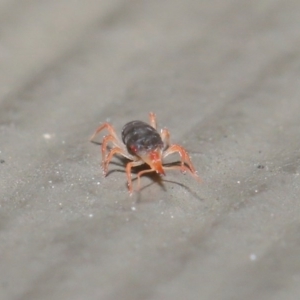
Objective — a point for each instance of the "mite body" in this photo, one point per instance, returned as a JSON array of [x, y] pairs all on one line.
[[142, 144], [141, 138]]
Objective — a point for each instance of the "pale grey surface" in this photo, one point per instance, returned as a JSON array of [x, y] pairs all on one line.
[[223, 76]]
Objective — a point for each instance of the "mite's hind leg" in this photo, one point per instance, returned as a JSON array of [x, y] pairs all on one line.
[[185, 159], [110, 129], [106, 140], [112, 137], [152, 118]]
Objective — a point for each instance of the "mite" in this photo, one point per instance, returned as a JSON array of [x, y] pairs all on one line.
[[142, 144]]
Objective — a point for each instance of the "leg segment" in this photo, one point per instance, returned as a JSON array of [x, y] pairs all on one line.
[[185, 158], [128, 173], [184, 169], [140, 174], [165, 136], [105, 141], [110, 129], [110, 155], [113, 138], [152, 118]]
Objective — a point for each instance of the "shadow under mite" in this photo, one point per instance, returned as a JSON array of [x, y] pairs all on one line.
[[156, 178]]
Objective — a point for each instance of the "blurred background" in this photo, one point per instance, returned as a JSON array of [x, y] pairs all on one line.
[[223, 77]]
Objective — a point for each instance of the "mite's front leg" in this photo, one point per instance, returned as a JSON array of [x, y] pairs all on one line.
[[185, 158], [128, 173], [110, 155], [140, 174]]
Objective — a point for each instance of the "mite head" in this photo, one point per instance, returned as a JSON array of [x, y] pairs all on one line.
[[153, 159]]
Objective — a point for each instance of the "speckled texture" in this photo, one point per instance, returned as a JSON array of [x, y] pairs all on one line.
[[223, 76]]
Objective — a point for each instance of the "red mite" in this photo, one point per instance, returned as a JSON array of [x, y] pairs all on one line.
[[142, 144]]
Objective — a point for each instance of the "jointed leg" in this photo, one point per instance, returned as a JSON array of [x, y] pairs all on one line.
[[110, 156], [105, 141], [113, 138], [128, 173], [185, 158], [142, 173], [152, 117], [165, 136], [110, 129], [184, 169]]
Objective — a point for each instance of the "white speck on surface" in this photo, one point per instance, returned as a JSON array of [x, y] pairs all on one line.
[[48, 136], [253, 257], [238, 182], [133, 208], [256, 191], [172, 217], [91, 215]]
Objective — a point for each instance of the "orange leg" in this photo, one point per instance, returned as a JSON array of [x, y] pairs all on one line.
[[110, 155], [185, 158], [165, 136], [128, 173], [105, 141], [152, 118], [184, 169], [110, 129], [142, 173]]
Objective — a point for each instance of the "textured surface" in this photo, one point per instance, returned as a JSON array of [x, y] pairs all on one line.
[[223, 76]]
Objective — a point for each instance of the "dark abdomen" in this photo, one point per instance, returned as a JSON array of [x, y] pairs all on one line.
[[140, 137]]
